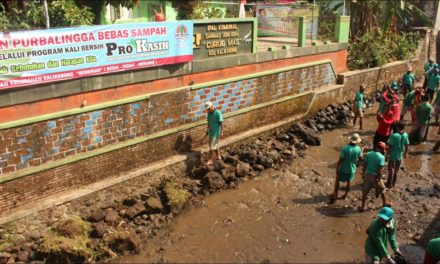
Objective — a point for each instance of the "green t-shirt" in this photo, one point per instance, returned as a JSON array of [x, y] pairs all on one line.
[[433, 82], [374, 160], [423, 113], [349, 153], [398, 141], [359, 97], [408, 78], [409, 98], [428, 66], [214, 122], [437, 98], [379, 235], [433, 248]]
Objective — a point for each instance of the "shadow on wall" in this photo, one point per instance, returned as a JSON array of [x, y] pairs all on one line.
[[183, 146]]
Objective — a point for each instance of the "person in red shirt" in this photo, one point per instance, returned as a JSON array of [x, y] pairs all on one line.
[[384, 120], [159, 16]]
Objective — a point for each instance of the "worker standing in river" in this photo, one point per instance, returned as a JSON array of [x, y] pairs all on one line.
[[214, 131], [423, 116], [397, 151], [373, 169], [346, 168], [359, 106], [408, 80]]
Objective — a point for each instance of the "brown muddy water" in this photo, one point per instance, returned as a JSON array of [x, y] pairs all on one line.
[[283, 216]]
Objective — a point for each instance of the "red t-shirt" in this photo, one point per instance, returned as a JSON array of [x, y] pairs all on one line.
[[385, 122]]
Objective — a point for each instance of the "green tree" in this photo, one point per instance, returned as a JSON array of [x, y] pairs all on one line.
[[197, 9], [96, 6], [367, 15], [19, 15]]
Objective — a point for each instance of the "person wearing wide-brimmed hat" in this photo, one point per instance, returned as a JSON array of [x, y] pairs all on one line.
[[381, 231], [346, 168], [372, 171]]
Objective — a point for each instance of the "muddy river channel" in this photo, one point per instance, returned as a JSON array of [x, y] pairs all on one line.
[[284, 215], [267, 202]]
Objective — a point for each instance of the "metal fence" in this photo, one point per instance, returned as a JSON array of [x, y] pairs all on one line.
[[277, 33], [281, 31]]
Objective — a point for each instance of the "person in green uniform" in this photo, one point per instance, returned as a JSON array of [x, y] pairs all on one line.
[[433, 83], [359, 106], [346, 168], [408, 103], [437, 108], [397, 151], [373, 169], [432, 253], [381, 232], [423, 115], [428, 67], [408, 80], [215, 121]]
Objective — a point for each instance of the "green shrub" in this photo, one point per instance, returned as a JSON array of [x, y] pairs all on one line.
[[378, 47]]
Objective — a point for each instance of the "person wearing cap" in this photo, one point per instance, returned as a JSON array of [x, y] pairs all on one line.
[[397, 150], [372, 171], [428, 67], [346, 167], [358, 106], [433, 83], [423, 115], [215, 120], [381, 231], [408, 80], [432, 253], [383, 131]]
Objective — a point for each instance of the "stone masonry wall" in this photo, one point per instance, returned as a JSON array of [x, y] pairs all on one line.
[[39, 143]]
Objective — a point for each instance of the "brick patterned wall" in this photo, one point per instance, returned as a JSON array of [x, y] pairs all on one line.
[[39, 143], [22, 190]]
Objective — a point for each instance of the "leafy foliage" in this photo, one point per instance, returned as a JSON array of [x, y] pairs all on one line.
[[207, 11], [62, 13], [197, 9], [379, 47], [327, 18], [67, 13]]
